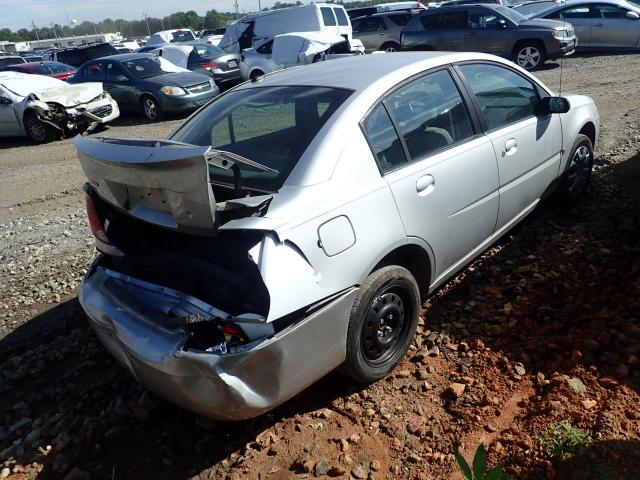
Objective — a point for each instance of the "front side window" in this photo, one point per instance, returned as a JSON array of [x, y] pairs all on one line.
[[116, 74], [504, 96], [383, 139], [483, 20], [272, 126], [368, 25], [94, 72], [341, 16], [430, 114], [328, 17]]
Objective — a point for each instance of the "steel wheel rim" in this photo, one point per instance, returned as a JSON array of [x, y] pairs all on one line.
[[150, 109], [528, 57], [36, 129], [580, 169], [390, 49], [385, 326]]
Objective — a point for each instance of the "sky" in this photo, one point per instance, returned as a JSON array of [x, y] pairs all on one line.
[[16, 14]]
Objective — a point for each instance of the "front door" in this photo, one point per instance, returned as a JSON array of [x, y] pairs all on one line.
[[443, 175], [528, 147], [446, 30], [8, 121], [120, 86], [487, 32], [612, 29], [370, 31], [580, 16]]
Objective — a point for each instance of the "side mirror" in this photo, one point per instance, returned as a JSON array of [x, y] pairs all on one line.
[[632, 15], [5, 101], [550, 105], [502, 23]]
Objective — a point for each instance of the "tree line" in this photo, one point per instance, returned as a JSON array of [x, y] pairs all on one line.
[[144, 26]]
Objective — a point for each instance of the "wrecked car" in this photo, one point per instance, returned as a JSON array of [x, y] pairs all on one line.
[[296, 223], [45, 108]]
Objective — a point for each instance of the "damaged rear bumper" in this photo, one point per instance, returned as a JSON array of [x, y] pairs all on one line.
[[234, 386]]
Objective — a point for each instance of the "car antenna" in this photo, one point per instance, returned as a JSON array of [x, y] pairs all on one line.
[[564, 20]]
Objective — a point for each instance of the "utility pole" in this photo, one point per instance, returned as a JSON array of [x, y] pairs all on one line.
[[236, 6], [147, 22], [162, 22], [95, 31], [55, 35], [259, 7], [36, 30]]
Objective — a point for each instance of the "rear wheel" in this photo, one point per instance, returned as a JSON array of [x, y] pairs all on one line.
[[390, 47], [576, 178], [151, 109], [37, 130], [382, 324], [529, 55]]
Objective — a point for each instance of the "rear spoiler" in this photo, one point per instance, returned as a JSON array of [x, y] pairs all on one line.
[[161, 182]]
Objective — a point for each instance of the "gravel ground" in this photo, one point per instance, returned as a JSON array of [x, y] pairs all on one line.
[[542, 328]]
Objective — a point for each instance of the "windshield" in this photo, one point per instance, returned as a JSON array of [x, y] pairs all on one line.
[[272, 126], [510, 13], [531, 9], [60, 68], [144, 67]]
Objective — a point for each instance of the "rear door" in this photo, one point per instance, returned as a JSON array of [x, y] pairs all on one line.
[[580, 16], [612, 29], [528, 147], [441, 170], [370, 31], [487, 32], [446, 30]]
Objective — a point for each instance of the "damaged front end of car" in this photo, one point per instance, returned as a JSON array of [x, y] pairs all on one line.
[[206, 316], [72, 114]]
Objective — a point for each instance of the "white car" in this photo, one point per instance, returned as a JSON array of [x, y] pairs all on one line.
[[293, 49], [296, 224], [44, 108]]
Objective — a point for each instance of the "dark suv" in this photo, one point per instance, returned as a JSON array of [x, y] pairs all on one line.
[[490, 29], [76, 56]]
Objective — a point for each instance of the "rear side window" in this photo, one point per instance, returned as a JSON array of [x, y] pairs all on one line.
[[504, 96], [430, 114], [71, 57], [341, 16], [610, 11], [182, 36], [327, 16], [445, 21], [400, 20], [383, 139], [579, 11], [40, 69], [59, 68], [370, 24]]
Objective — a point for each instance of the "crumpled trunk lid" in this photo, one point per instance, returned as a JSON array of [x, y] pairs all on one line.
[[161, 182]]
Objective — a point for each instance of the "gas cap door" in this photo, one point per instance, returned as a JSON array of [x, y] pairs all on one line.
[[336, 235]]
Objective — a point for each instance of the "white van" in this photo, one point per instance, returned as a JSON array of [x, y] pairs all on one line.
[[319, 17], [171, 36]]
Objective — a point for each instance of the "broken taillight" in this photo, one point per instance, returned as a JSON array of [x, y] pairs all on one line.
[[95, 222]]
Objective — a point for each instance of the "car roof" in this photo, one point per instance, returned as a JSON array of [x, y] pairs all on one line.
[[359, 72], [121, 57], [385, 14], [464, 6]]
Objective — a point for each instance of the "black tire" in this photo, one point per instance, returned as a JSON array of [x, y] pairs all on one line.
[[390, 47], [382, 324], [151, 109], [255, 74], [529, 55], [37, 130], [575, 179]]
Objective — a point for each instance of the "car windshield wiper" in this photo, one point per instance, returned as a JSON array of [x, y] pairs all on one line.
[[230, 160]]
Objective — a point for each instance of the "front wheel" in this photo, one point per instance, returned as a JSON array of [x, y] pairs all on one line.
[[529, 56], [578, 173], [36, 129], [151, 109], [382, 324]]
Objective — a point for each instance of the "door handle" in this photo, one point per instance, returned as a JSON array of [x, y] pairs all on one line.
[[599, 25], [510, 147], [425, 185], [471, 34]]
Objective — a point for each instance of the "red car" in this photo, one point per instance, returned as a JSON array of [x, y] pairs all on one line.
[[57, 70]]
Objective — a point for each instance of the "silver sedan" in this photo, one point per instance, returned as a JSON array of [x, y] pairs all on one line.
[[600, 24], [296, 223]]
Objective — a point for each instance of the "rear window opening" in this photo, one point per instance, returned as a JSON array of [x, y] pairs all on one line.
[[271, 127]]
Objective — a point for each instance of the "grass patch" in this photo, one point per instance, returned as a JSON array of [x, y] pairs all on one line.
[[561, 438]]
